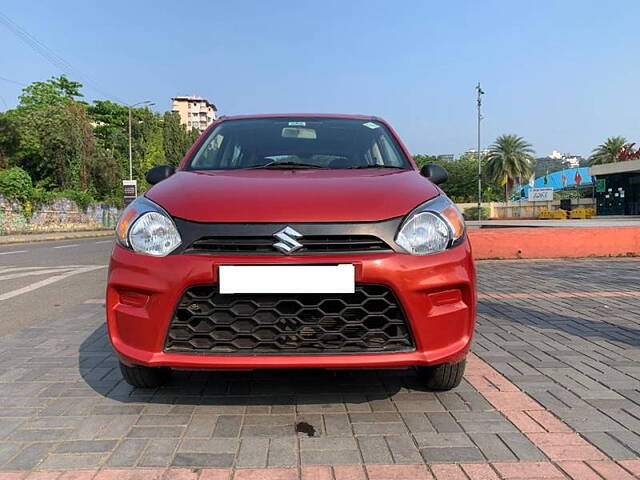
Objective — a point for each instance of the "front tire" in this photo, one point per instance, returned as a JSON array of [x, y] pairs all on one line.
[[442, 377], [145, 377]]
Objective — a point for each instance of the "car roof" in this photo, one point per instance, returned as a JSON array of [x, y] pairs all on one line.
[[307, 115]]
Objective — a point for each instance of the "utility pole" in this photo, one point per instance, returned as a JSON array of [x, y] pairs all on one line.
[[130, 155], [480, 93]]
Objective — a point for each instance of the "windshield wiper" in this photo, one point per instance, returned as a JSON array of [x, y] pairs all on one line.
[[378, 166], [287, 165]]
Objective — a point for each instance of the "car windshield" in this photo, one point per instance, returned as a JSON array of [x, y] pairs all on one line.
[[330, 143]]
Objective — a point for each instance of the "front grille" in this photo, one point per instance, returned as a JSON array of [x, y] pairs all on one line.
[[369, 320], [312, 244]]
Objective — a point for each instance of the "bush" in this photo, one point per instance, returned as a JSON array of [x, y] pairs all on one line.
[[471, 213], [15, 184], [82, 199], [40, 196]]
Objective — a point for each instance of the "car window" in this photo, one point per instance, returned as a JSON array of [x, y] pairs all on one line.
[[332, 143]]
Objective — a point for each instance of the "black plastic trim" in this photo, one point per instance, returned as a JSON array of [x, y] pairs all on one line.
[[251, 352], [192, 231]]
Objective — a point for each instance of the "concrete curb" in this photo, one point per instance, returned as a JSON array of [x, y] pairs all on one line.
[[549, 242], [47, 237]]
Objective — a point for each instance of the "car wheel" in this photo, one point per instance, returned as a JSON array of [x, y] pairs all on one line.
[[145, 377], [442, 377]]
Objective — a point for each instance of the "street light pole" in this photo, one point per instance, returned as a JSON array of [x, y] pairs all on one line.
[[147, 103], [130, 154], [479, 101]]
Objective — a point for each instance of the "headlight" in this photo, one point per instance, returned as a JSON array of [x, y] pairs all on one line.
[[432, 227], [147, 228]]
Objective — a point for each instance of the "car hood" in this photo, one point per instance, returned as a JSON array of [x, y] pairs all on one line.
[[277, 196]]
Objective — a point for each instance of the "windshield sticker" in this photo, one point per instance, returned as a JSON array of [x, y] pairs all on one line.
[[371, 125], [297, 124]]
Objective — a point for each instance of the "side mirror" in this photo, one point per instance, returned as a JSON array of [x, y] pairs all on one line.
[[435, 173], [159, 173]]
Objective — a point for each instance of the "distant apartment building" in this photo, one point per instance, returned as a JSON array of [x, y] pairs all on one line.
[[473, 151], [572, 161], [195, 112]]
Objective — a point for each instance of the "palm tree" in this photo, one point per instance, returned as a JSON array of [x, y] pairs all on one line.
[[509, 161], [608, 151]]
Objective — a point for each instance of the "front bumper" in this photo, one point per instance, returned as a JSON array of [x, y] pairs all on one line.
[[437, 293]]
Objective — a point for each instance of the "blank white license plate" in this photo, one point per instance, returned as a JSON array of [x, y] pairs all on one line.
[[287, 278]]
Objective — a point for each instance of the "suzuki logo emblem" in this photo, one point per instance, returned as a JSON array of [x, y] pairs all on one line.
[[288, 242]]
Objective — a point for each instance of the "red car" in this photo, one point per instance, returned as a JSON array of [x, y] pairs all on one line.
[[293, 241]]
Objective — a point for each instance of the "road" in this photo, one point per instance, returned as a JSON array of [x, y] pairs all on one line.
[[42, 280]]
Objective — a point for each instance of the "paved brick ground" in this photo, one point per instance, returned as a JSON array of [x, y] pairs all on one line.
[[554, 392], [578, 356]]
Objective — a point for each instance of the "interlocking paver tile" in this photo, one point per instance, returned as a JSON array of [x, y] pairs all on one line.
[[215, 474], [547, 365], [316, 473], [479, 471], [632, 465], [403, 449], [29, 457], [282, 452], [398, 472], [448, 472], [579, 471], [184, 459], [158, 453], [147, 474], [493, 447], [84, 446], [349, 472], [527, 470], [77, 475], [374, 450], [127, 453], [253, 452], [521, 446], [273, 474], [453, 454], [610, 471], [12, 475], [68, 462], [43, 476]]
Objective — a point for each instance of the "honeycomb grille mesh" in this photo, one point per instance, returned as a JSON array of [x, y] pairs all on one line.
[[369, 320]]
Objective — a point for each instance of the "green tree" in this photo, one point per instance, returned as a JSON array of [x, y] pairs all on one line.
[[192, 136], [67, 145], [146, 131], [57, 145], [608, 151], [106, 177], [55, 91], [111, 122], [177, 140], [9, 139], [174, 138], [462, 186], [509, 161]]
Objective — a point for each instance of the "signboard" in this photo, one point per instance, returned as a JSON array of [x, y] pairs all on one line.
[[543, 194], [601, 185], [130, 188]]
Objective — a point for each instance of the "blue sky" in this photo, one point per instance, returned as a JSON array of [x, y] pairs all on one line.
[[563, 74]]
